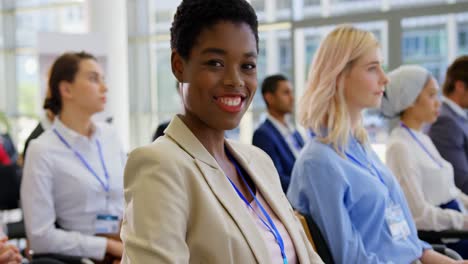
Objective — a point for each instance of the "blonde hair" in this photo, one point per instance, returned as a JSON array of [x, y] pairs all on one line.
[[323, 105]]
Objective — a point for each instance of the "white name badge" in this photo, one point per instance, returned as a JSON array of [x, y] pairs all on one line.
[[396, 221], [106, 224]]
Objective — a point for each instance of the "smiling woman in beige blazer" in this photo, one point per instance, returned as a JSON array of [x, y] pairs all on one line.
[[192, 196]]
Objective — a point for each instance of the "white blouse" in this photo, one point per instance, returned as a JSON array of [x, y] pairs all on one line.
[[58, 188], [427, 183]]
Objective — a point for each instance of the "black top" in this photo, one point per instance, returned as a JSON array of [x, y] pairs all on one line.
[[160, 130], [34, 134]]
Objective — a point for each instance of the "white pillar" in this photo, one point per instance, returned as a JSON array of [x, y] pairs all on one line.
[[109, 17], [272, 52], [452, 38], [8, 78]]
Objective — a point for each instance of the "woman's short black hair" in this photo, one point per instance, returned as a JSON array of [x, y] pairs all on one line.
[[64, 68], [193, 16]]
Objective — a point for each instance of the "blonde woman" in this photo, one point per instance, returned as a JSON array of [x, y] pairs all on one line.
[[426, 178], [338, 179]]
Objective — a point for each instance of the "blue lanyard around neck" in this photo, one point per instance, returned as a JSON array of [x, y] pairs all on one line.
[[421, 144], [373, 170], [105, 185], [371, 167], [270, 225]]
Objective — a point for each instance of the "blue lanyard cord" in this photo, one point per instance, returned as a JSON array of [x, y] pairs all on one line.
[[421, 144], [105, 186], [360, 164], [271, 226], [373, 171]]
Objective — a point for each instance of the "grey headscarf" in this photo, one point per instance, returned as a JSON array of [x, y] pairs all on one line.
[[405, 84]]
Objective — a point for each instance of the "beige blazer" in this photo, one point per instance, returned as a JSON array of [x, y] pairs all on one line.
[[181, 208]]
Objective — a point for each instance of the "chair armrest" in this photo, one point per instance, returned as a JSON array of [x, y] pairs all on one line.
[[63, 258], [16, 230], [444, 250], [437, 235]]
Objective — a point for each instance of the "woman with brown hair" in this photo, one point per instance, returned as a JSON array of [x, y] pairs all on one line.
[[72, 183]]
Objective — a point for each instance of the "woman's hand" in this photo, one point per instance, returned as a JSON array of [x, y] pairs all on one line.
[[114, 248], [9, 254], [433, 257]]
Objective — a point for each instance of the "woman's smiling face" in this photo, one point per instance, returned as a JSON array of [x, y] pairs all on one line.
[[219, 78]]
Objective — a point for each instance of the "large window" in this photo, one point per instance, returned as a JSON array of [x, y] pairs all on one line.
[[424, 42], [463, 39], [257, 103], [285, 53], [406, 3], [168, 97], [432, 40], [161, 15], [22, 22], [462, 34]]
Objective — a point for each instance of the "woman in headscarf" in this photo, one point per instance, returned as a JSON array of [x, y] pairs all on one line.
[[426, 178]]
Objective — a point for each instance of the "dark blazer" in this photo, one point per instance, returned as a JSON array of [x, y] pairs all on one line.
[[270, 140], [450, 136]]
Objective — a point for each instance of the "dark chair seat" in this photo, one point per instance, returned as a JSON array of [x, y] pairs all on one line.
[[437, 236], [59, 258], [9, 187]]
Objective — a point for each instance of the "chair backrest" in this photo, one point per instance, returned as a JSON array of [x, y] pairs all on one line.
[[317, 240], [9, 187], [306, 229]]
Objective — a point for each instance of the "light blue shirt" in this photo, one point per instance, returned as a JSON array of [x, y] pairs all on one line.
[[348, 202]]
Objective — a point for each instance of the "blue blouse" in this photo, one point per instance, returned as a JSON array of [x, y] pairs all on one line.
[[348, 202]]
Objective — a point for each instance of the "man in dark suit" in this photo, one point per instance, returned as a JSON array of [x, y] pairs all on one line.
[[275, 136], [450, 132]]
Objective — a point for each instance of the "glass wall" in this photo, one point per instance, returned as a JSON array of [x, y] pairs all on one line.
[[431, 33], [462, 34], [21, 21], [424, 42], [425, 39]]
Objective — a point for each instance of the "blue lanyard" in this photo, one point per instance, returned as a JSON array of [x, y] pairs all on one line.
[[296, 140], [373, 171], [271, 226], [105, 185], [421, 144], [360, 164]]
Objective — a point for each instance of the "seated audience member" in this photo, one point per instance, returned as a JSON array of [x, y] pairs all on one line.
[[425, 177], [193, 196], [72, 187], [450, 132], [275, 136], [338, 179]]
